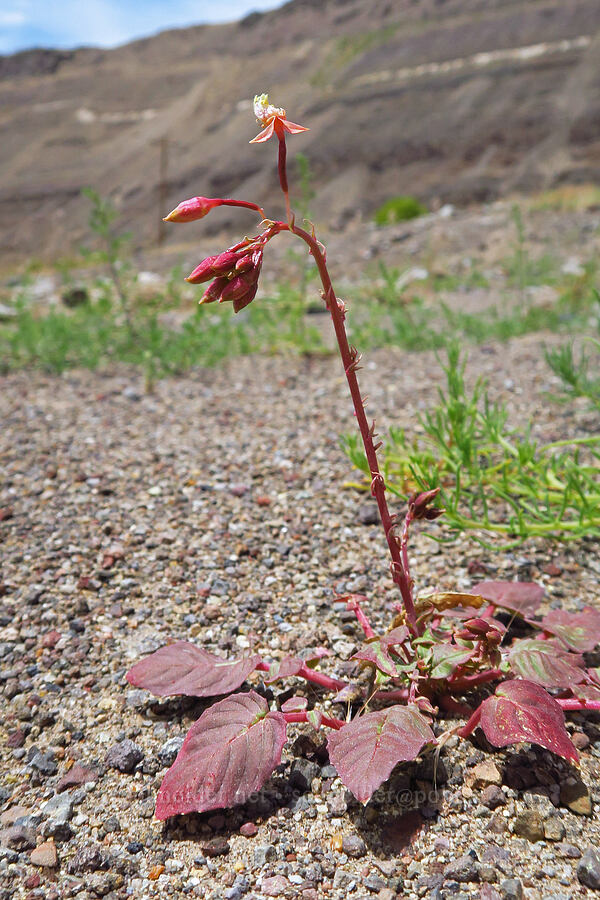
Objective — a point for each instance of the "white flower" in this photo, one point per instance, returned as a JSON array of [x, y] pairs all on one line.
[[264, 111]]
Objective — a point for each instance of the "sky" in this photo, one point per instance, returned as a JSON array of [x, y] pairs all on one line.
[[107, 23]]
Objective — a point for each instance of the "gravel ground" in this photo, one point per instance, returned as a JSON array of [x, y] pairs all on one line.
[[212, 511]]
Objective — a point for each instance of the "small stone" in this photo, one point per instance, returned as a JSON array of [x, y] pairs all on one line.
[[588, 869], [464, 869], [275, 886], [492, 796], [155, 872], [580, 740], [554, 830], [45, 763], [368, 514], [263, 854], [216, 846], [483, 774], [77, 775], [373, 883], [576, 797], [16, 739], [59, 808], [511, 889], [44, 855], [18, 837], [302, 773], [248, 829], [529, 824], [124, 756], [169, 750], [353, 845], [569, 851], [89, 858]]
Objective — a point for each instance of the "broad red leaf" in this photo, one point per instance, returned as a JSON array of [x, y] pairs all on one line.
[[545, 663], [289, 665], [365, 751], [522, 597], [184, 668], [227, 755], [578, 631], [524, 711]]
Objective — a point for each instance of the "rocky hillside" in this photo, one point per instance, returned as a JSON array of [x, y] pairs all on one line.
[[451, 100]]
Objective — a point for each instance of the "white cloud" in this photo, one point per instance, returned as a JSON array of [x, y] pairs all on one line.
[[12, 18]]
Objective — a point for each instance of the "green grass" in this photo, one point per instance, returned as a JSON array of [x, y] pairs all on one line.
[[398, 209], [492, 478]]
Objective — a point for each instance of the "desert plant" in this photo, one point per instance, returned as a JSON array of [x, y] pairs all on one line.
[[439, 646]]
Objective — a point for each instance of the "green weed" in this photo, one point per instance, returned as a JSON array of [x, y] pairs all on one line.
[[492, 478]]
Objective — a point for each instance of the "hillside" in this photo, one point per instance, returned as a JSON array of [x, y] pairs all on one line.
[[451, 100]]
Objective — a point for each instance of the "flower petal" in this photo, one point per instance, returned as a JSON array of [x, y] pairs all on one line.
[[291, 127], [265, 134]]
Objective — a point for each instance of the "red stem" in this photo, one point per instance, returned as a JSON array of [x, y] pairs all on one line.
[[465, 682], [573, 704], [472, 724], [354, 605], [245, 203], [303, 717], [326, 681], [336, 310]]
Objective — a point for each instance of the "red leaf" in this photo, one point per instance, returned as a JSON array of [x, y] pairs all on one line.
[[227, 755], [577, 631], [545, 663], [365, 751], [184, 668], [289, 665], [522, 597], [524, 711]]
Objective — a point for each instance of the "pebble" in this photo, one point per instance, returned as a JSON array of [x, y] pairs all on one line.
[[275, 886], [511, 889], [169, 750], [353, 845], [529, 824], [464, 869], [588, 869], [263, 854], [124, 756], [576, 797], [44, 855]]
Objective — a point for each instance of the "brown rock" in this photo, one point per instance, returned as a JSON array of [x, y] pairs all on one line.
[[248, 829], [576, 797], [554, 830], [78, 775], [44, 855], [9, 816], [217, 846], [484, 774], [529, 824], [18, 837]]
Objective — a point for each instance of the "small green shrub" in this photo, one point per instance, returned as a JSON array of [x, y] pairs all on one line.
[[399, 209]]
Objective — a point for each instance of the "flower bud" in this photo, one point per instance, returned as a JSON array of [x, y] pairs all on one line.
[[246, 298], [193, 209], [235, 289], [224, 262], [214, 290], [244, 264], [202, 272], [419, 503]]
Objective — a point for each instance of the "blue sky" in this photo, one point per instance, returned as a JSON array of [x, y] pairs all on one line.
[[106, 23]]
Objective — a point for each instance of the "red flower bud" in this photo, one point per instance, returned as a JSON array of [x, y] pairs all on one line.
[[214, 290], [244, 264], [190, 210], [202, 272], [246, 298], [419, 503], [224, 262], [237, 287]]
